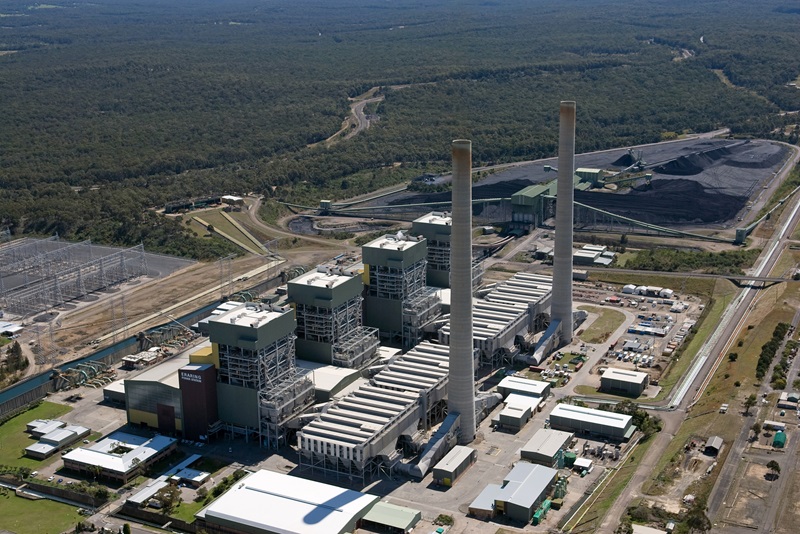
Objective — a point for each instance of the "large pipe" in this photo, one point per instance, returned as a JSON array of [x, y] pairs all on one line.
[[461, 386], [565, 198]]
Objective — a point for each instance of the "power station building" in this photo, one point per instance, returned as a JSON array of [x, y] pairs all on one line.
[[436, 227], [328, 307], [360, 431], [397, 302], [259, 387]]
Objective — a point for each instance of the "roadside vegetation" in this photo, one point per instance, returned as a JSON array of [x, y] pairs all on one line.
[[667, 259]]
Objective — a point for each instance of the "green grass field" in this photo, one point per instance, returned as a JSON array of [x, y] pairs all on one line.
[[13, 438], [24, 516], [607, 322]]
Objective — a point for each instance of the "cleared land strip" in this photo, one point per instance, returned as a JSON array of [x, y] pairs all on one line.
[[244, 232], [230, 238]]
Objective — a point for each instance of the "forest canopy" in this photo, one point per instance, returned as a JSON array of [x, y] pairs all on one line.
[[112, 108]]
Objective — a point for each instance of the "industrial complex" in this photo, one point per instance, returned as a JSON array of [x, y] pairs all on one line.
[[402, 367]]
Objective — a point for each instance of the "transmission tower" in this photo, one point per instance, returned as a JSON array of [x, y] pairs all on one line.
[[225, 275]]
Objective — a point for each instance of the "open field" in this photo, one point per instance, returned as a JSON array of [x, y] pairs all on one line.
[[608, 321], [24, 516], [13, 438]]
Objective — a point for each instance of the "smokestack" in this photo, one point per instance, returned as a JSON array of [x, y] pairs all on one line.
[[461, 386], [565, 198]]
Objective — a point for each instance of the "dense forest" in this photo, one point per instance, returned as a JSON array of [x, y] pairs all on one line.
[[112, 108]]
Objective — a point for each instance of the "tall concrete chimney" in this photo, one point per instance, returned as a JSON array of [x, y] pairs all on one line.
[[565, 198], [461, 386]]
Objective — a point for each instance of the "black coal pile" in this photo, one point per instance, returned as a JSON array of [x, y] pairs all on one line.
[[668, 202]]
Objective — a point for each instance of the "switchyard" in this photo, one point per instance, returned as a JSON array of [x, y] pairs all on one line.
[[37, 275]]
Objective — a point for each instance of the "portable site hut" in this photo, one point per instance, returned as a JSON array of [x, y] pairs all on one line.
[[779, 440]]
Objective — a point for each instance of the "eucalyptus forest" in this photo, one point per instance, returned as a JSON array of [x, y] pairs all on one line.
[[112, 108]]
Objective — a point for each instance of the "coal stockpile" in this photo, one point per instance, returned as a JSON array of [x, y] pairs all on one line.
[[494, 190], [668, 202], [693, 164], [625, 160]]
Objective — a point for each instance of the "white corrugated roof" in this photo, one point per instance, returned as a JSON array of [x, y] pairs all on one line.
[[100, 453], [624, 375], [547, 442], [524, 385], [306, 507], [590, 415]]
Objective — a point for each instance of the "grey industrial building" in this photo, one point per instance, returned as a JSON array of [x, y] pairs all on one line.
[[518, 410], [453, 465], [547, 448], [522, 491], [397, 301], [624, 382], [259, 386], [608, 425], [330, 329]]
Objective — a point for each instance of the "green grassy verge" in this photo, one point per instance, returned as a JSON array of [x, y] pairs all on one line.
[[591, 516], [44, 516], [602, 327], [13, 438]]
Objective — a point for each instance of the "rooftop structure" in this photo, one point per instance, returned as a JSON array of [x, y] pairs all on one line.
[[328, 306], [306, 507], [120, 456], [578, 419]]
